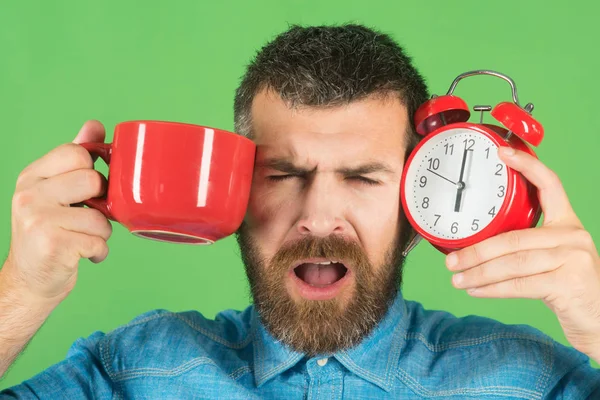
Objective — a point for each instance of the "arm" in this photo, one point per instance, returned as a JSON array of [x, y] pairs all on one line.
[[21, 315], [557, 262], [81, 375], [572, 376], [48, 238]]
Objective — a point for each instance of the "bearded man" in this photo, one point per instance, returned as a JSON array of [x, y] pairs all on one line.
[[330, 111]]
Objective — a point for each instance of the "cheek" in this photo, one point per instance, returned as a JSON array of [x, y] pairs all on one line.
[[376, 220], [375, 206], [269, 209]]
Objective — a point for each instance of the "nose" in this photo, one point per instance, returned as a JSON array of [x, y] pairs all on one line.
[[319, 225], [322, 210]]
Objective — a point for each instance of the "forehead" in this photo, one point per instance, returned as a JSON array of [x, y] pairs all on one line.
[[372, 128]]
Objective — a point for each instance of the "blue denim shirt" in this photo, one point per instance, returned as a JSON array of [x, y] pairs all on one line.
[[413, 353]]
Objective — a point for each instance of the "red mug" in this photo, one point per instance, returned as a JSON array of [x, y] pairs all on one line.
[[175, 182]]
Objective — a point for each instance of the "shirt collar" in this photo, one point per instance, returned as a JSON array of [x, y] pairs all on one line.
[[375, 359], [385, 342], [271, 357]]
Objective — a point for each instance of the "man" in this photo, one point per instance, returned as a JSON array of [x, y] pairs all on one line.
[[330, 111]]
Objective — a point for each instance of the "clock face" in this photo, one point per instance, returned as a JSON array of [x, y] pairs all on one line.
[[455, 184]]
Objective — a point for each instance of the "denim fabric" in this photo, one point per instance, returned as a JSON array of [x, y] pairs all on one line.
[[413, 353]]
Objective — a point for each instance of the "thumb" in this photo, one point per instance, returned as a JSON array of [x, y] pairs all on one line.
[[91, 131]]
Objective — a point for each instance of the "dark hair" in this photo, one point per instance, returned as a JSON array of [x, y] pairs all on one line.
[[328, 66]]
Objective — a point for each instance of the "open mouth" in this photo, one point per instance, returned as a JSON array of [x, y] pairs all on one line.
[[319, 279], [321, 274]]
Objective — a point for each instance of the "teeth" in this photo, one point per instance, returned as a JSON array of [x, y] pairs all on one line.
[[326, 262]]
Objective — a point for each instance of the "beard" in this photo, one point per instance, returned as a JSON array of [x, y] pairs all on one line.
[[325, 326]]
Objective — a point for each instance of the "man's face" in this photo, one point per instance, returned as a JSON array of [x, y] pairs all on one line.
[[326, 188]]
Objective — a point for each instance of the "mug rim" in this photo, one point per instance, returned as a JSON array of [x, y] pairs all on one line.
[[165, 122]]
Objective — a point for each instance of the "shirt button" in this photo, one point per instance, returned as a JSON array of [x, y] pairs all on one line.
[[322, 362]]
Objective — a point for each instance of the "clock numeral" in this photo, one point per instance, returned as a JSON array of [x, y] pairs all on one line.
[[501, 191], [492, 212], [475, 225], [499, 170], [423, 181], [425, 203], [454, 227], [437, 218], [450, 147], [434, 163], [469, 143], [487, 153]]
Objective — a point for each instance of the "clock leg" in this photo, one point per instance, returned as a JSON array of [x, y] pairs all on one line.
[[412, 244]]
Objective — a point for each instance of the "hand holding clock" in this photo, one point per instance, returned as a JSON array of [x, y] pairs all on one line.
[[557, 262]]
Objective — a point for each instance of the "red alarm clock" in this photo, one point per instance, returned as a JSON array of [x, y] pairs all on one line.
[[455, 190]]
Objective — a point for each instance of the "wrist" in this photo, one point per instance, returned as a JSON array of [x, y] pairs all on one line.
[[22, 313], [14, 288]]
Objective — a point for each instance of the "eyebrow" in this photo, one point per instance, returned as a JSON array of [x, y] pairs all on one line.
[[284, 165], [365, 169]]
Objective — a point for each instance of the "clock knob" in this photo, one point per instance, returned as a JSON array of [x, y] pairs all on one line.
[[518, 121], [440, 111]]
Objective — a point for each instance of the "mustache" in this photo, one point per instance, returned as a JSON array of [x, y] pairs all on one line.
[[335, 246]]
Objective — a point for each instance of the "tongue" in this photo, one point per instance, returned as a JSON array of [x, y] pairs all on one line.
[[320, 275]]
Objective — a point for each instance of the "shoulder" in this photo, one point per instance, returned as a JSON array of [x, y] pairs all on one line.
[[483, 356], [169, 342], [443, 330], [229, 328]]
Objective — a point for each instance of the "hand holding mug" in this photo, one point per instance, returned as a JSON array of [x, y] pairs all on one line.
[[167, 181], [48, 236]]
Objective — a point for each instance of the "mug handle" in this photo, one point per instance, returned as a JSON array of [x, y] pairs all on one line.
[[104, 151]]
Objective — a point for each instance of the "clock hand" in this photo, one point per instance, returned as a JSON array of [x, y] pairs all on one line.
[[443, 177], [462, 167], [461, 184], [459, 191]]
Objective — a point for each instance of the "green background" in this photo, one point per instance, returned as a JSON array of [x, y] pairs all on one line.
[[64, 62]]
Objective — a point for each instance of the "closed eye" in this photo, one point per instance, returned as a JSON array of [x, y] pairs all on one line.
[[360, 179], [364, 180], [278, 178]]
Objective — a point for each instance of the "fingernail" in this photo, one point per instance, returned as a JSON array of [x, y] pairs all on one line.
[[452, 260], [472, 291], [507, 151], [458, 279]]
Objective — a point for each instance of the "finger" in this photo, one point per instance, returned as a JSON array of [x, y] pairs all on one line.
[[83, 220], [511, 242], [73, 187], [514, 265], [99, 259], [553, 199], [91, 131], [529, 287], [88, 246], [62, 159]]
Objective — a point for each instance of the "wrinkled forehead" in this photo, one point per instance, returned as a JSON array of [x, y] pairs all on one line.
[[375, 128]]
